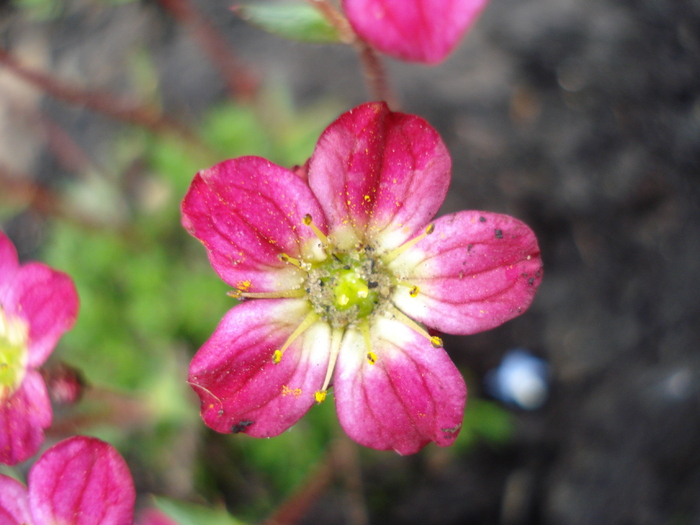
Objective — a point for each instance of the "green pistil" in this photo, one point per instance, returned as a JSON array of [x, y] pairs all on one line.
[[352, 290], [348, 286]]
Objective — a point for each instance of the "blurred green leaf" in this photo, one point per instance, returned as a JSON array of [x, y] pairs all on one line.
[[484, 421], [301, 22], [191, 514]]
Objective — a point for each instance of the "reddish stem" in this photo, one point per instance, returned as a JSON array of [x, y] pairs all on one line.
[[101, 102], [241, 84], [372, 66], [17, 189]]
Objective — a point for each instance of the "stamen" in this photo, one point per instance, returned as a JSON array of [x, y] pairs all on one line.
[[310, 319], [336, 340], [393, 254], [308, 220], [291, 260], [364, 330], [413, 292], [238, 294], [400, 316]]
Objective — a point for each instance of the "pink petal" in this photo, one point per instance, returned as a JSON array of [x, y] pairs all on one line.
[[240, 387], [8, 262], [23, 418], [14, 502], [246, 212], [380, 174], [81, 481], [412, 395], [476, 271], [48, 301], [414, 30]]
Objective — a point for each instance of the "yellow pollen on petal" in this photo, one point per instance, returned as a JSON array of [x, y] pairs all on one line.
[[310, 319], [286, 391], [393, 254], [413, 292]]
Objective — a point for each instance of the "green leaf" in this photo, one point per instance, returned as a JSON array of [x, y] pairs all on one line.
[[191, 514], [300, 22]]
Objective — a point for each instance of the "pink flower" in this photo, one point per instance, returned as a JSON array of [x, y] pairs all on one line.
[[414, 30], [37, 305], [79, 481], [346, 274]]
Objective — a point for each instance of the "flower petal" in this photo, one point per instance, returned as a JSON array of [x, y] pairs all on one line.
[[48, 301], [23, 418], [240, 387], [412, 395], [81, 481], [379, 175], [414, 30], [14, 502], [8, 262], [475, 272], [246, 212]]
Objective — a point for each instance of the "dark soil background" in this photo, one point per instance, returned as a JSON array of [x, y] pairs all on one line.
[[581, 118]]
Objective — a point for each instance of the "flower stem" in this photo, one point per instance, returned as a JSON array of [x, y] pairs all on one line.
[[372, 66], [375, 74]]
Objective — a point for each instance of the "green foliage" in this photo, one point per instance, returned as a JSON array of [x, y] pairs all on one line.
[[484, 421], [300, 22], [191, 514]]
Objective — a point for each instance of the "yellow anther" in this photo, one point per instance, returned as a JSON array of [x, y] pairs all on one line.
[[320, 396], [393, 254], [309, 221], [436, 341], [236, 294], [371, 358], [413, 292], [310, 319]]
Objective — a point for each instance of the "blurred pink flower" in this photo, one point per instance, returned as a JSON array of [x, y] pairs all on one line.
[[414, 30], [79, 481], [153, 516], [37, 305], [347, 274]]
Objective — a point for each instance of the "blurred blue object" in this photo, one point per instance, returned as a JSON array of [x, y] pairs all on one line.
[[521, 379]]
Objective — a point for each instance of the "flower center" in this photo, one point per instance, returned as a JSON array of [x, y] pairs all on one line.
[[347, 287], [13, 353]]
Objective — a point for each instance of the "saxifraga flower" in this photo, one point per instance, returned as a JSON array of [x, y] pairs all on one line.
[[342, 275], [37, 305]]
